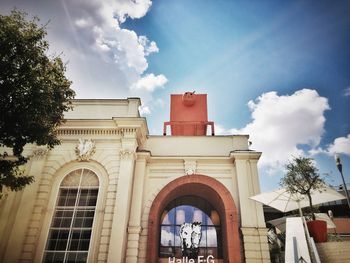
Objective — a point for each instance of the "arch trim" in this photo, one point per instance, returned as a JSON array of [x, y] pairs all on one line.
[[213, 191]]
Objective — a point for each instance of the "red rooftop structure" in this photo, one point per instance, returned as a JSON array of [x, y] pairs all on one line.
[[188, 115]]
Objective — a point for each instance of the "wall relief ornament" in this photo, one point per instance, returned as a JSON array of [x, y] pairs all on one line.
[[126, 154], [85, 149], [39, 153], [190, 167]]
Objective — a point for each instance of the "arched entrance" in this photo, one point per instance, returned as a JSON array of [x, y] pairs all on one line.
[[209, 189]]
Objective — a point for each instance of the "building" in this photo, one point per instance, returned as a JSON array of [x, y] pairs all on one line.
[[111, 192]]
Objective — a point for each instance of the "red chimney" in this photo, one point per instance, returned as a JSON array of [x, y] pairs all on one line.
[[188, 115]]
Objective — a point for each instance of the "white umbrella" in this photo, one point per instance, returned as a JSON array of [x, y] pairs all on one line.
[[284, 201], [280, 223]]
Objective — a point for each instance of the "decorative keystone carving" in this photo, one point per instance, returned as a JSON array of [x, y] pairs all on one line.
[[190, 167], [127, 154], [85, 149]]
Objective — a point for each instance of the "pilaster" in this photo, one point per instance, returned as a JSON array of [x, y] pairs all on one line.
[[255, 243], [252, 217], [248, 185], [120, 219], [134, 228]]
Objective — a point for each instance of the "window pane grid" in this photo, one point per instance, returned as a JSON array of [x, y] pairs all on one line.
[[70, 231]]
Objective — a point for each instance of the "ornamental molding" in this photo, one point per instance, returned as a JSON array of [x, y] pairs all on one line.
[[85, 149], [190, 167], [89, 131], [126, 154], [39, 153]]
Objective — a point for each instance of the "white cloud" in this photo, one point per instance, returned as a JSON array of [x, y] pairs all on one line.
[[339, 145], [82, 22], [346, 92], [131, 8], [281, 123], [98, 26], [150, 82], [149, 46], [144, 110]]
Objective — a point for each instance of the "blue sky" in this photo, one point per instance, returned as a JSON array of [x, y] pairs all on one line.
[[278, 70]]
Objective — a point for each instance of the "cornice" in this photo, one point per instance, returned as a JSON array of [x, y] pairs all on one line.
[[89, 131], [133, 127], [118, 127], [245, 155]]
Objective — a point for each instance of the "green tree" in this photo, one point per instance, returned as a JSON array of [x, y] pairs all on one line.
[[302, 178], [34, 93]]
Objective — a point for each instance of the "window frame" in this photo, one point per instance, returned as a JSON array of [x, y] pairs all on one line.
[[75, 191]]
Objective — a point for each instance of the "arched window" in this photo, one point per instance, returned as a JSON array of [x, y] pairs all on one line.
[[71, 226], [191, 210]]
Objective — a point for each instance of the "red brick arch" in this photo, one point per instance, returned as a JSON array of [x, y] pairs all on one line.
[[211, 190]]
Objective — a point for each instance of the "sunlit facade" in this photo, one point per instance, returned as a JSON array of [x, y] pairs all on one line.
[[111, 192]]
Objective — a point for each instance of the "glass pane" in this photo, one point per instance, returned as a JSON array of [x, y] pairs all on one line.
[[180, 215], [177, 236], [83, 218], [62, 218], [67, 197], [79, 257], [211, 237], [58, 240], [167, 237], [80, 240], [168, 217], [53, 257], [85, 213], [83, 222], [203, 242], [88, 197]]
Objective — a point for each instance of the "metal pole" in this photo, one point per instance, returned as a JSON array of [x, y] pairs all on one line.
[[346, 189], [340, 168]]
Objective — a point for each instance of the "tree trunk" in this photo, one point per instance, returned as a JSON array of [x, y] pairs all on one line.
[[311, 207]]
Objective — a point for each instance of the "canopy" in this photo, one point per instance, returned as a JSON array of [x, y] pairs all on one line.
[[284, 201]]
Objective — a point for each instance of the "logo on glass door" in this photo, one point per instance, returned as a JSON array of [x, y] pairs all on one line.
[[190, 236]]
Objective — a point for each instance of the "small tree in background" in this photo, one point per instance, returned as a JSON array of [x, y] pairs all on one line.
[[302, 177], [34, 94]]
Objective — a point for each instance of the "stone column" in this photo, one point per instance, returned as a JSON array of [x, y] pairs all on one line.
[[134, 228], [117, 245], [252, 216]]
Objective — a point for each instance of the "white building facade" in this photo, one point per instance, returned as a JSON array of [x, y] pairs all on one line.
[[110, 192]]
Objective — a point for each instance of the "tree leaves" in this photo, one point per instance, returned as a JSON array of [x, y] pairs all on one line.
[[302, 177], [34, 92]]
